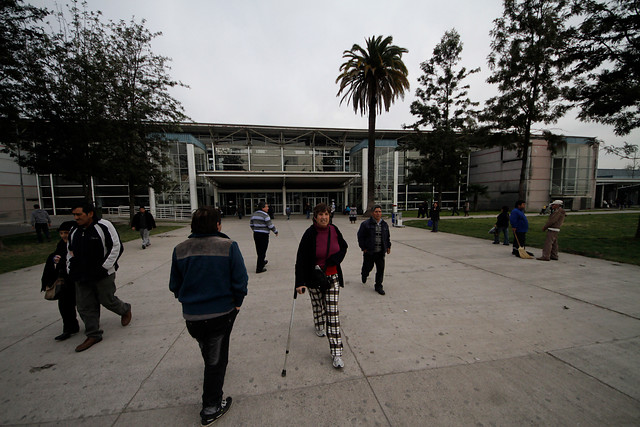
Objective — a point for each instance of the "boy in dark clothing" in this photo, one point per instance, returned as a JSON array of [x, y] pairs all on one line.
[[502, 226], [55, 268]]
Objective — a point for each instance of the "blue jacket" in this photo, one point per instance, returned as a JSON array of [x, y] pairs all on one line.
[[208, 275], [519, 221], [367, 235]]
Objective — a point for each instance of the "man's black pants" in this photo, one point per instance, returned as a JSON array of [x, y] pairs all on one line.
[[368, 260], [42, 227], [262, 243], [213, 338], [522, 238], [67, 308]]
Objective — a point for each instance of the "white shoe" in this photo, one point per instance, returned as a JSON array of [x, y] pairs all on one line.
[[337, 362], [320, 332]]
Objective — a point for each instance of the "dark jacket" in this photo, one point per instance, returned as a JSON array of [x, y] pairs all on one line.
[[367, 235], [434, 213], [306, 257], [93, 252], [208, 275], [503, 220], [149, 221], [52, 270]]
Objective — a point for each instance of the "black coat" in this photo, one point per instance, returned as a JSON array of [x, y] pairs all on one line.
[[306, 257], [52, 270], [367, 235], [149, 221]]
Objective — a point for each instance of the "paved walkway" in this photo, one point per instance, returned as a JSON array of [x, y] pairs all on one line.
[[466, 335]]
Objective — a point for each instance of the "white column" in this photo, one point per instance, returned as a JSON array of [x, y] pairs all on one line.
[[53, 194], [152, 201], [281, 158], [191, 166], [284, 198], [39, 190], [93, 192], [344, 158], [395, 179], [213, 156], [346, 196], [365, 173], [215, 194]]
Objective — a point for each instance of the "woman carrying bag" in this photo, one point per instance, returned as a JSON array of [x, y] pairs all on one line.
[[321, 250]]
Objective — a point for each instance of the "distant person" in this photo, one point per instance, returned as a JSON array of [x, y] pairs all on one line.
[[454, 211], [307, 209], [353, 214], [288, 212], [143, 222], [543, 211], [374, 241], [240, 212], [323, 248], [333, 211], [519, 225], [261, 225], [434, 213], [466, 208], [55, 268], [209, 278], [92, 259], [502, 226], [40, 221], [552, 227]]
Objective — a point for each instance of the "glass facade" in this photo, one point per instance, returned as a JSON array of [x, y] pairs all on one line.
[[572, 172]]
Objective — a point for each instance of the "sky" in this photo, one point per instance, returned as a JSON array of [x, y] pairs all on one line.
[[275, 62]]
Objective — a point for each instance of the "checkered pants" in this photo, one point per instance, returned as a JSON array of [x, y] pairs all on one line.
[[325, 310]]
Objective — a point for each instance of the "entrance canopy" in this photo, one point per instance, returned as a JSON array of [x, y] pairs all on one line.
[[292, 180]]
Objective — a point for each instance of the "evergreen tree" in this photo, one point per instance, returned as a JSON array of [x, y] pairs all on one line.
[[529, 66], [444, 109]]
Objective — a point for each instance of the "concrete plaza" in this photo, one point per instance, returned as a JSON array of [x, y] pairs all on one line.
[[466, 335]]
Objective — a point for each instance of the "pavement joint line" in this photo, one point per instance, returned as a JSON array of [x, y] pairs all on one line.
[[591, 376], [151, 372], [522, 282]]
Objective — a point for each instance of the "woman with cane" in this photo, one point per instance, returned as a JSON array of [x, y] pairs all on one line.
[[321, 250]]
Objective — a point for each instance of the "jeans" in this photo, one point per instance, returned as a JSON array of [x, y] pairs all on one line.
[[368, 260], [144, 235], [213, 338], [505, 232]]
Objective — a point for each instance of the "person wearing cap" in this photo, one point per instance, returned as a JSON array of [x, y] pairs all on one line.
[[143, 222], [55, 268], [375, 242], [261, 225], [552, 227]]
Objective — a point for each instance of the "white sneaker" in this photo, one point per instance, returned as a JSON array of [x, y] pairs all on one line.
[[337, 362], [320, 332]]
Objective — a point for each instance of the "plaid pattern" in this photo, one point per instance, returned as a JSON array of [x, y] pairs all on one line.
[[325, 311]]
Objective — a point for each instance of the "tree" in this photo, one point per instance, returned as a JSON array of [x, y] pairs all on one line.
[[139, 101], [443, 107], [371, 79], [606, 52], [529, 67], [21, 42], [476, 190]]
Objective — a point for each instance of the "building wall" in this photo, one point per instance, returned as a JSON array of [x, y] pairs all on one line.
[[14, 206], [499, 170]]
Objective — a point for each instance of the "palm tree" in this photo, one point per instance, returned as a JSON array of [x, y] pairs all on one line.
[[372, 78]]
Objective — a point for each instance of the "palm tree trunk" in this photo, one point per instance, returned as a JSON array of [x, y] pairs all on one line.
[[371, 158]]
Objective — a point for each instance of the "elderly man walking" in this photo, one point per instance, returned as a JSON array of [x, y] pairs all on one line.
[[552, 227]]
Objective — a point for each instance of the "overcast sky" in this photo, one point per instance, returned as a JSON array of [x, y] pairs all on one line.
[[275, 62]]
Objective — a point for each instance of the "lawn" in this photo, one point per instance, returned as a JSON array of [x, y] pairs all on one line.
[[608, 237], [23, 250]]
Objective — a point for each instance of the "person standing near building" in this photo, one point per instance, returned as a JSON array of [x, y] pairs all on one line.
[[92, 260], [55, 268], [353, 214], [288, 212], [502, 226], [375, 241], [434, 213], [519, 225], [209, 278], [466, 208], [552, 227], [143, 222], [40, 221], [261, 225]]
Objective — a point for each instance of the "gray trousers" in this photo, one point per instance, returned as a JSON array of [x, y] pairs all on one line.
[[89, 297], [144, 234]]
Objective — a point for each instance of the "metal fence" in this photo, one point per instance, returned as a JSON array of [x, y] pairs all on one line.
[[174, 212]]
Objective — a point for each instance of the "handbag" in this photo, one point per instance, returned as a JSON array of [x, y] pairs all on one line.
[[430, 223], [319, 279], [52, 292]]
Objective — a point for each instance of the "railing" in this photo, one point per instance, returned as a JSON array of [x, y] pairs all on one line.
[[179, 212]]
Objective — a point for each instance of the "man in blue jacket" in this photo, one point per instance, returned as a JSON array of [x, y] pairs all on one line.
[[519, 225], [209, 278], [92, 260], [375, 241]]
